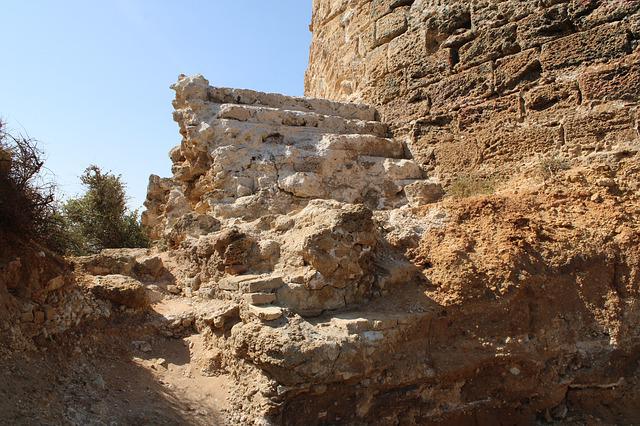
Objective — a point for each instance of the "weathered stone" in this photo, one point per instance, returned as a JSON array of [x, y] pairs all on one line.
[[55, 283], [605, 42], [174, 289], [544, 25], [620, 81], [558, 95], [120, 289], [406, 49], [310, 302], [261, 284], [390, 26], [517, 70], [260, 298], [423, 192], [266, 313], [602, 127], [473, 84], [491, 43]]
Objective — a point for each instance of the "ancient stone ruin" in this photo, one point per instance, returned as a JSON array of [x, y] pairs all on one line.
[[272, 198], [445, 231]]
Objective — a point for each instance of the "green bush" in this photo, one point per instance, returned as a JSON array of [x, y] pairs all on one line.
[[100, 218]]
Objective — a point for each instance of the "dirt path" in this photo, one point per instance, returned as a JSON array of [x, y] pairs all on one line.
[[118, 373]]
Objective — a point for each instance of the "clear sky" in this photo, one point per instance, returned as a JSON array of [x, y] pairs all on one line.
[[90, 79]]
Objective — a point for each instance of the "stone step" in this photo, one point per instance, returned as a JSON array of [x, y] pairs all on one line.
[[275, 100], [266, 313], [289, 118], [395, 169], [308, 138], [369, 145], [260, 298], [250, 283]]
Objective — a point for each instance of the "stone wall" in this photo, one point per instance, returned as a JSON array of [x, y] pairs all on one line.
[[485, 85]]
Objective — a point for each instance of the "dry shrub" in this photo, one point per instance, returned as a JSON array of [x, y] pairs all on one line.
[[469, 185], [27, 200]]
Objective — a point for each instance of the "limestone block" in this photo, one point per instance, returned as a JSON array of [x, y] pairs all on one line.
[[474, 83], [599, 128], [310, 302], [390, 26], [617, 81], [266, 313], [555, 95], [264, 283], [517, 70], [604, 42], [304, 185], [491, 43], [120, 289], [377, 63], [544, 25], [423, 192], [260, 298], [406, 49]]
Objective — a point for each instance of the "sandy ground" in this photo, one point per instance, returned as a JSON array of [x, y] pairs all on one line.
[[119, 373]]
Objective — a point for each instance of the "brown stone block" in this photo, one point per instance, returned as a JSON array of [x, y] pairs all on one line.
[[599, 128], [517, 70], [459, 155], [604, 42], [490, 44], [389, 27], [433, 129], [379, 8], [472, 84], [619, 80], [432, 67], [607, 11], [555, 95], [492, 113], [390, 87], [495, 12], [518, 141], [428, 133], [407, 49], [377, 63], [544, 26]]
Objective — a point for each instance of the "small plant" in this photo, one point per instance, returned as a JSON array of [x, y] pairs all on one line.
[[550, 167], [469, 185]]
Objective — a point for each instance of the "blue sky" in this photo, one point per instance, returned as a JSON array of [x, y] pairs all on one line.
[[90, 80]]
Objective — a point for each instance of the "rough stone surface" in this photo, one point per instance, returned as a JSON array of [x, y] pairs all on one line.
[[442, 58], [121, 290], [473, 262], [292, 184]]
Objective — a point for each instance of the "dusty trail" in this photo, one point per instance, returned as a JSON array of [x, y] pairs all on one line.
[[117, 373]]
